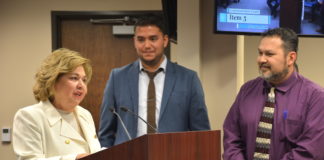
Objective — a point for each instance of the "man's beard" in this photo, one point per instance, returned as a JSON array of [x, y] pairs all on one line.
[[274, 76], [152, 62]]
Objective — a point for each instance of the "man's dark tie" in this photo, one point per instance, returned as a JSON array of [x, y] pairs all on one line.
[[263, 139], [151, 101]]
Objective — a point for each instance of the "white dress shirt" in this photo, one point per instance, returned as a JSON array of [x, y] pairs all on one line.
[[142, 96]]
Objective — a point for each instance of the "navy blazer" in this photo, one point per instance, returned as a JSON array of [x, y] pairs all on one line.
[[182, 108]]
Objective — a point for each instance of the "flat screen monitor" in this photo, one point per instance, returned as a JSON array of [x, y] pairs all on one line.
[[256, 16]]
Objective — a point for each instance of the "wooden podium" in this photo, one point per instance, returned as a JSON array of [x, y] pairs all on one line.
[[194, 145]]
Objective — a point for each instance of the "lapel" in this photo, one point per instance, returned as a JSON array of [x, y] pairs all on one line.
[[54, 119], [170, 78], [132, 77], [86, 128]]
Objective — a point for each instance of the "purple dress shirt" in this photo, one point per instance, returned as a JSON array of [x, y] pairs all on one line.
[[298, 127]]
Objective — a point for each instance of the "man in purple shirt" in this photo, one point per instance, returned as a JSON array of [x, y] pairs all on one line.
[[298, 119]]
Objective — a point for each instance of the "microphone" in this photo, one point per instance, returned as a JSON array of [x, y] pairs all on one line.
[[121, 121], [127, 110]]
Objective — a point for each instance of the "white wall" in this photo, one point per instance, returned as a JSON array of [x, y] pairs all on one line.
[[188, 47]]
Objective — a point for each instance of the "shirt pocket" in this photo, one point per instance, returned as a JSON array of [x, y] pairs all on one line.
[[292, 129]]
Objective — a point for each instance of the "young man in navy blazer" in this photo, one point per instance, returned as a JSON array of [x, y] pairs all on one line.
[[179, 102]]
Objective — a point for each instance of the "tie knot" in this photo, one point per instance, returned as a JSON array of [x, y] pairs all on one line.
[[271, 95], [153, 74]]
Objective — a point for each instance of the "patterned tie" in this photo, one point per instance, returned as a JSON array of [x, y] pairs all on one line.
[[151, 102], [263, 138]]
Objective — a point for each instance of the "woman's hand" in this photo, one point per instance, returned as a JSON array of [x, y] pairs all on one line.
[[79, 156]]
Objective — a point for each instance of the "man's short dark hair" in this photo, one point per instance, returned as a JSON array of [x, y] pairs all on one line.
[[152, 20], [288, 36]]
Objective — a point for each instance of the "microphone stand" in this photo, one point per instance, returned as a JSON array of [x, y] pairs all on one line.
[[121, 121], [127, 110]]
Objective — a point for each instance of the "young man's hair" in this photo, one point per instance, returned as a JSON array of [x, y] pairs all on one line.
[[152, 20]]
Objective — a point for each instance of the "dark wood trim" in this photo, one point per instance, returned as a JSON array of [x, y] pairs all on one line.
[[58, 16]]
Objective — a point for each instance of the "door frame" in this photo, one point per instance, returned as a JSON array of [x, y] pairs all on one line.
[[58, 16]]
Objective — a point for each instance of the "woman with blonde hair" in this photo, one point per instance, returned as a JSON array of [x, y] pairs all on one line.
[[57, 128]]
